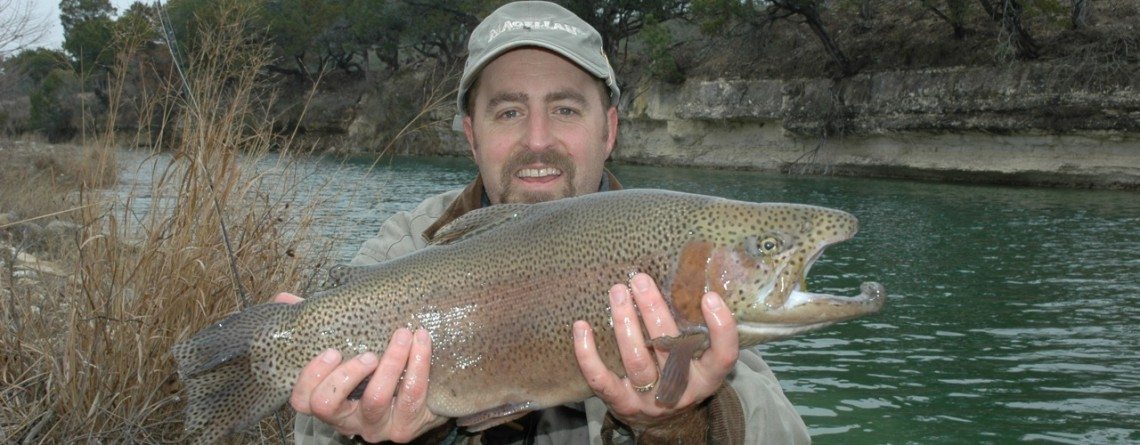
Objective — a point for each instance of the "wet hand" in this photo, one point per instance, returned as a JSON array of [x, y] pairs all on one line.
[[390, 408], [632, 399]]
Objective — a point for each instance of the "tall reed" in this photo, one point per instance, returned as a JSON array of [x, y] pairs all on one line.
[[90, 360]]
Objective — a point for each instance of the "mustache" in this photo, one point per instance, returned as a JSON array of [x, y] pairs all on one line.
[[546, 157]]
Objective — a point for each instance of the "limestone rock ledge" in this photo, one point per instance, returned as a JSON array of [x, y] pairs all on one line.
[[1029, 124]]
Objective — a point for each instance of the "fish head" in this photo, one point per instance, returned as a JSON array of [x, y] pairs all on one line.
[[757, 257]]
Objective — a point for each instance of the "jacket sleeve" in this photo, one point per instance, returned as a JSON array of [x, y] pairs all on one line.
[[769, 416], [403, 232], [750, 409]]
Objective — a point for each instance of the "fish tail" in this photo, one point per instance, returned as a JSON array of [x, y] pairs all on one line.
[[224, 391]]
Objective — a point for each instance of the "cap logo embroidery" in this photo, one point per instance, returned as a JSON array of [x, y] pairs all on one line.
[[514, 25]]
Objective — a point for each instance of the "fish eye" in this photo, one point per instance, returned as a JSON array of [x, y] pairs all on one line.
[[768, 245], [765, 246]]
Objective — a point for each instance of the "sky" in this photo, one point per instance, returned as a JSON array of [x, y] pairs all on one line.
[[49, 9]]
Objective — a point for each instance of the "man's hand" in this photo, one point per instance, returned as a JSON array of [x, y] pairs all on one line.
[[389, 409], [640, 410]]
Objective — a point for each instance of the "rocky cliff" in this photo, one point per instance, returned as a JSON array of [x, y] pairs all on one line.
[[1030, 124]]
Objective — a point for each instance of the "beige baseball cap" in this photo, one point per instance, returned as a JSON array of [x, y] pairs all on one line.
[[541, 24]]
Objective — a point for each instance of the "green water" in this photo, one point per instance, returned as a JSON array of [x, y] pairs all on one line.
[[1012, 317]]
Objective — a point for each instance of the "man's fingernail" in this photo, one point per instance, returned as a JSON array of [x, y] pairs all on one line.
[[330, 356], [713, 302], [368, 358], [403, 337], [422, 336], [618, 295], [640, 283], [580, 332]]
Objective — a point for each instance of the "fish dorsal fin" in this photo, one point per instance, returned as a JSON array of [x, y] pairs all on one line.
[[478, 221], [342, 274]]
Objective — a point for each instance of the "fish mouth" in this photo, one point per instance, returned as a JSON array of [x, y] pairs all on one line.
[[804, 311]]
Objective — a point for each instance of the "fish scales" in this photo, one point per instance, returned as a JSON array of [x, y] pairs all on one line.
[[499, 299]]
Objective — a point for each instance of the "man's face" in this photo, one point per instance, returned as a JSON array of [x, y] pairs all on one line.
[[538, 128]]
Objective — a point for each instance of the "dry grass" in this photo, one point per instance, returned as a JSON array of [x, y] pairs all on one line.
[[86, 357]]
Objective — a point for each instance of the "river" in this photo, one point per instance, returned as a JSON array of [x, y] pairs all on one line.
[[1012, 315]]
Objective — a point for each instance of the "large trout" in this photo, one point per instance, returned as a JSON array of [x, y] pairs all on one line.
[[500, 288]]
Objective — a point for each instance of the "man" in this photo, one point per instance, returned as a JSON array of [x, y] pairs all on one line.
[[538, 105]]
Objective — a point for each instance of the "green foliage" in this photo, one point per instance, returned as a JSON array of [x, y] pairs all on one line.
[[35, 64], [191, 20], [715, 16], [376, 26], [90, 43], [442, 26], [88, 31], [74, 12], [618, 20], [295, 25], [50, 113], [136, 23], [658, 40]]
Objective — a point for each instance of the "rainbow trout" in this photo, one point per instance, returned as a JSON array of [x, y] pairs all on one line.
[[500, 287]]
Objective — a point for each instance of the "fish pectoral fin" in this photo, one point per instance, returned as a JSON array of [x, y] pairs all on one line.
[[476, 222], [495, 416], [682, 350]]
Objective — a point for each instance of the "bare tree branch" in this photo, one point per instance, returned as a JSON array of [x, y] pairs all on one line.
[[19, 26]]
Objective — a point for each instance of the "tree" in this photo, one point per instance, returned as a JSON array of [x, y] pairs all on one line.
[[1082, 14], [19, 27], [617, 20], [759, 13], [35, 64], [658, 41], [376, 27], [296, 26], [1008, 13], [88, 32], [74, 12], [50, 114], [954, 14], [442, 26]]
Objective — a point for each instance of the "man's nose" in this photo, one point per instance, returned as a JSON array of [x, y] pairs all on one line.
[[538, 132]]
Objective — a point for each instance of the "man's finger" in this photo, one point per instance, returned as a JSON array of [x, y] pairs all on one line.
[[330, 398], [605, 384], [639, 363], [654, 312], [311, 376], [287, 298], [411, 401], [724, 341], [377, 399]]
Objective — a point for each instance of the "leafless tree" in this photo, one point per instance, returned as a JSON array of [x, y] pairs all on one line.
[[19, 26], [1082, 15], [809, 12], [1008, 14]]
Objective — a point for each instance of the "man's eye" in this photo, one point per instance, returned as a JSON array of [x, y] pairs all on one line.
[[565, 111], [509, 114]]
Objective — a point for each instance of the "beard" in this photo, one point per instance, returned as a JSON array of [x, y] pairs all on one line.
[[547, 158]]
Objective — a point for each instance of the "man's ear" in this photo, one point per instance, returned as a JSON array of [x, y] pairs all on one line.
[[612, 126], [469, 131]]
